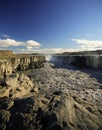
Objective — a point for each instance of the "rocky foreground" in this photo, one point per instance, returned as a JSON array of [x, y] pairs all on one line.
[[51, 98]]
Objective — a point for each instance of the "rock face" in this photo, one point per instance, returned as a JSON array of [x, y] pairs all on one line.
[[51, 98], [23, 63], [5, 68], [86, 61]]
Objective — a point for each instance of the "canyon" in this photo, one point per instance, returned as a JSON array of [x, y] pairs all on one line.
[[51, 92]]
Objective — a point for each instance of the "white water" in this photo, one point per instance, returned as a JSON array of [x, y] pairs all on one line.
[[48, 57]]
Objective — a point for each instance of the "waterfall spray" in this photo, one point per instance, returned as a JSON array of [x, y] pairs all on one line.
[[48, 57]]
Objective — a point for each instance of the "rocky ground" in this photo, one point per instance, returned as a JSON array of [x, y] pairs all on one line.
[[51, 98], [71, 81]]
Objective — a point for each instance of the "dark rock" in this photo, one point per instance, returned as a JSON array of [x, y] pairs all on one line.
[[34, 65], [79, 61], [6, 103], [48, 120], [21, 121], [4, 119], [58, 93], [27, 105]]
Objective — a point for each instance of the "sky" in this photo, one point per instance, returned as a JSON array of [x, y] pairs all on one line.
[[50, 26]]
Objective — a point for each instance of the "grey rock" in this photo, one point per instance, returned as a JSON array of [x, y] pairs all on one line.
[[51, 98], [18, 85], [6, 103]]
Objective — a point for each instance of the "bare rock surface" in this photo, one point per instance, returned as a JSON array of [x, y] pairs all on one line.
[[51, 99], [74, 81], [17, 86], [53, 111]]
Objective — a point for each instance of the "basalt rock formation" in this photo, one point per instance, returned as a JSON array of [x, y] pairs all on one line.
[[85, 61], [22, 63]]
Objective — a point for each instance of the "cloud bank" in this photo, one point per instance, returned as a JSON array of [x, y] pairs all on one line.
[[11, 42], [31, 46], [85, 44]]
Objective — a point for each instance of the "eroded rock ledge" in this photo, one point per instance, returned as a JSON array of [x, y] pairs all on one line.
[[21, 63]]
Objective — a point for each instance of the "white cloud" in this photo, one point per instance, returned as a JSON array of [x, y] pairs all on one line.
[[29, 48], [11, 42], [82, 45], [88, 44], [32, 43]]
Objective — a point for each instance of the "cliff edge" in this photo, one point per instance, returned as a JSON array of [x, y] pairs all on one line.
[[11, 63]]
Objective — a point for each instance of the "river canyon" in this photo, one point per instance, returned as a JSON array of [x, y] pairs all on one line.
[[51, 92]]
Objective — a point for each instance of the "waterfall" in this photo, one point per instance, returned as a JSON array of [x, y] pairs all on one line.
[[96, 61], [48, 57]]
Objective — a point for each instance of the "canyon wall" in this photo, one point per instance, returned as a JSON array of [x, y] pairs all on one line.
[[87, 61], [9, 66]]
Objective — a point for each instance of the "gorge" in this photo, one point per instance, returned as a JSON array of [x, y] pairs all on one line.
[[85, 61], [52, 92]]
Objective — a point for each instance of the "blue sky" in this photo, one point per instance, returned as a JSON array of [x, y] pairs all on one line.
[[50, 25]]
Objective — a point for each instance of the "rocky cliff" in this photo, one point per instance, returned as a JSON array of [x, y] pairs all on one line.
[[21, 63], [86, 61], [50, 98]]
